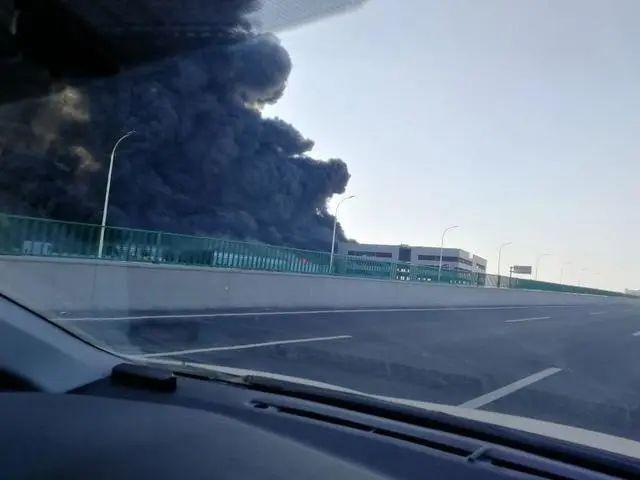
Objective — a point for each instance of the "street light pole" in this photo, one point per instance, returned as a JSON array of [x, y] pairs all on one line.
[[540, 257], [506, 244], [106, 195], [442, 247], [333, 238], [562, 270], [580, 279]]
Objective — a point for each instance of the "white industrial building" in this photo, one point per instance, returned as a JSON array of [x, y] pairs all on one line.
[[452, 258]]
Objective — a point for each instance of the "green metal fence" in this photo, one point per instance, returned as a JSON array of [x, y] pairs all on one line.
[[21, 235], [41, 237]]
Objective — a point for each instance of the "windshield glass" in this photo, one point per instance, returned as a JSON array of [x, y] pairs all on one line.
[[433, 201]]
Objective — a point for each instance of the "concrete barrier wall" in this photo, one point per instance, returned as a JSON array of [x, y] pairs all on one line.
[[54, 285]]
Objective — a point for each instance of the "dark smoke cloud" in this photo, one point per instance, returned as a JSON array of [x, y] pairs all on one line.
[[204, 159]]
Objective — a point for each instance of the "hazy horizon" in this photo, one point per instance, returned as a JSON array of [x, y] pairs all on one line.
[[517, 121]]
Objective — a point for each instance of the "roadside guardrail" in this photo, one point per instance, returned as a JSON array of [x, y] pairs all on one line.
[[31, 236]]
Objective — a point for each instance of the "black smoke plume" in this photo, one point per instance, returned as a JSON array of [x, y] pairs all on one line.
[[203, 160]]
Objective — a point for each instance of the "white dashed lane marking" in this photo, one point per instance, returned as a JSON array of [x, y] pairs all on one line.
[[518, 320], [243, 347], [509, 389]]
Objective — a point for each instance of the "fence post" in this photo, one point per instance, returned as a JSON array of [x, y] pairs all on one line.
[[157, 256]]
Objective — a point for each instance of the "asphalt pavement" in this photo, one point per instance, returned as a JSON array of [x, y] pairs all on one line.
[[575, 365]]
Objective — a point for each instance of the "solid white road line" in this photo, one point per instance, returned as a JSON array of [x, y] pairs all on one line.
[[242, 347], [302, 312], [513, 387], [518, 320], [637, 334]]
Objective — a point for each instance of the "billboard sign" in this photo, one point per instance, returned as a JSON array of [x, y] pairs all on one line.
[[522, 269]]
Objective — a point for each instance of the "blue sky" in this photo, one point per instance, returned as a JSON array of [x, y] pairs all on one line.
[[518, 120]]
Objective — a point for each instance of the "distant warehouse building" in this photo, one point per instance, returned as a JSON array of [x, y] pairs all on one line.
[[452, 258]]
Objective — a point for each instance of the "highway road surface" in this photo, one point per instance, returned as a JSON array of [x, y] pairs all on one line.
[[573, 365]]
